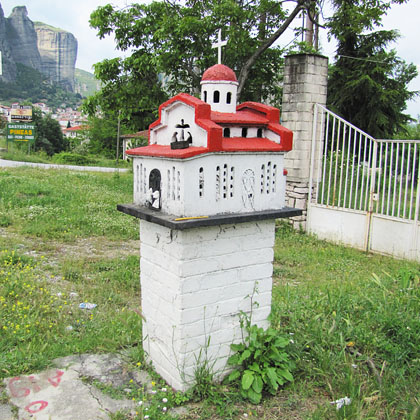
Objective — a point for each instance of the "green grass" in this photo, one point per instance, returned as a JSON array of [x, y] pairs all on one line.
[[20, 153], [65, 205], [336, 302], [353, 317]]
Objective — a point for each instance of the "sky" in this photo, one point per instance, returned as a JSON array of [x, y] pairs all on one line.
[[73, 16]]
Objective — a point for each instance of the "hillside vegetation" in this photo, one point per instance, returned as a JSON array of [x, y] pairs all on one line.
[[32, 86]]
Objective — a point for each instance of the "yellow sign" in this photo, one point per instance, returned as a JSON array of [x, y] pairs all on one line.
[[21, 132], [21, 113]]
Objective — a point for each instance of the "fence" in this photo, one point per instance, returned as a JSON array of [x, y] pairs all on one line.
[[362, 186]]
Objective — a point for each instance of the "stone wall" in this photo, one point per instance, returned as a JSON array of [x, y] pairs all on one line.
[[305, 84], [194, 284]]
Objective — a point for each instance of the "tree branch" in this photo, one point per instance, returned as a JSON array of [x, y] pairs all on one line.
[[243, 75]]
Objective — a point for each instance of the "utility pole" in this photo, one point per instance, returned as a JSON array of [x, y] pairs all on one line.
[[118, 135]]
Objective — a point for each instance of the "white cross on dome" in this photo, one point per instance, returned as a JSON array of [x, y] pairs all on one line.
[[219, 44]]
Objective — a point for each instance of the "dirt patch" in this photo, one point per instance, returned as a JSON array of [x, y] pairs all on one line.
[[94, 248], [87, 248]]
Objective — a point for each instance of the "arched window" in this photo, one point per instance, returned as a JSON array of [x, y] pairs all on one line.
[[229, 97], [205, 96], [216, 97], [244, 131], [259, 132], [226, 132], [154, 188]]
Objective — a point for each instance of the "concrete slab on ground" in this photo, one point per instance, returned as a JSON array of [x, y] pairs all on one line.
[[66, 392]]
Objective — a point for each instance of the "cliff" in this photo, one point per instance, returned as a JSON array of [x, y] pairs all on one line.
[[21, 36], [58, 50], [49, 50], [8, 64]]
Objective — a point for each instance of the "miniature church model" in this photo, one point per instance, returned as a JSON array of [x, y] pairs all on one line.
[[207, 190], [210, 156]]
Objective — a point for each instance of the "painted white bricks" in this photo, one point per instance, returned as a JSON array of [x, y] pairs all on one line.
[[194, 284]]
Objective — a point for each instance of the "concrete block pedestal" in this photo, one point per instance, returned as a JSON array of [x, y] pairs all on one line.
[[195, 282]]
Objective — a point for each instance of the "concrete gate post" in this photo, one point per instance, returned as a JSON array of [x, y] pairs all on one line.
[[305, 84]]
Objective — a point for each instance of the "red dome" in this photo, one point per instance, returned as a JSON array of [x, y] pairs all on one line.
[[219, 72]]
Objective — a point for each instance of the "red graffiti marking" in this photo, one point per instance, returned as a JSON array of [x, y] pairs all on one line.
[[55, 380], [35, 386], [17, 392], [42, 405]]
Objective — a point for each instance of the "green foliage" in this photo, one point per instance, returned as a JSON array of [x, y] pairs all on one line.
[[102, 134], [48, 134], [261, 363], [172, 47], [73, 159], [32, 86], [409, 131], [85, 82], [368, 85]]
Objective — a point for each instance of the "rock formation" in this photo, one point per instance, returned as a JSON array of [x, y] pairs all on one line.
[[58, 51], [49, 50], [8, 64], [21, 35]]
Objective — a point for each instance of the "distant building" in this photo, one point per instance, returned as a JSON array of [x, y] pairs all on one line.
[[132, 140], [4, 112], [74, 132], [45, 109]]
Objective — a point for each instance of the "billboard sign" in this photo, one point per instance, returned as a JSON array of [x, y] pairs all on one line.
[[21, 113], [21, 132]]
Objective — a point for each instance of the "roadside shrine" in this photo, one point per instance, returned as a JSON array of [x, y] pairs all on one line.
[[207, 190]]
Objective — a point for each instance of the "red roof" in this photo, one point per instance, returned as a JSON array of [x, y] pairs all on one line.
[[219, 72], [242, 118], [166, 151], [248, 114], [75, 128]]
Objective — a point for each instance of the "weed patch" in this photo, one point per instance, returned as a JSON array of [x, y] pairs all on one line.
[[39, 324]]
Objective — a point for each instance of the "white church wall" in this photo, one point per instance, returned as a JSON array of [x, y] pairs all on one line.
[[216, 184], [175, 114]]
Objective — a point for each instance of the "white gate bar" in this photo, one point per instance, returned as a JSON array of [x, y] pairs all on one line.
[[331, 158], [384, 177], [401, 179], [413, 171], [336, 164], [352, 172], [347, 168], [395, 178], [407, 171], [324, 160], [343, 148], [390, 177]]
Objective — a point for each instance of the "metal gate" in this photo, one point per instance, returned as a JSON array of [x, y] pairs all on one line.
[[365, 191]]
